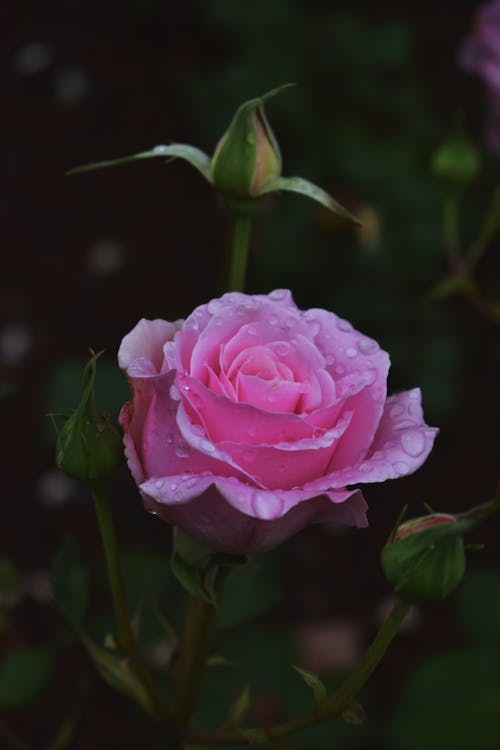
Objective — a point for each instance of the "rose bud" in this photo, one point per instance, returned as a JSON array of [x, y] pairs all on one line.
[[88, 447], [247, 158], [456, 162], [425, 559]]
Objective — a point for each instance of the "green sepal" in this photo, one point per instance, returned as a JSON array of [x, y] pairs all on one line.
[[304, 187], [196, 566], [194, 156], [88, 447], [427, 565], [313, 682]]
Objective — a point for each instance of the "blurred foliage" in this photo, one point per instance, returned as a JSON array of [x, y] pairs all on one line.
[[23, 676]]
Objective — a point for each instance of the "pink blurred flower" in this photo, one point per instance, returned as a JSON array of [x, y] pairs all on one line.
[[480, 54], [252, 419]]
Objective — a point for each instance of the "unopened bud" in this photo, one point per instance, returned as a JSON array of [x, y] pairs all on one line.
[[456, 162], [424, 559], [88, 447], [247, 158]]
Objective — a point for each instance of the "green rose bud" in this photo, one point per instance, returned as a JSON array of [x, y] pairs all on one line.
[[247, 158], [456, 162], [425, 559], [88, 447]]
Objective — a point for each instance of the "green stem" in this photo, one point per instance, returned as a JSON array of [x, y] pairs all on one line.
[[451, 233], [125, 636], [487, 231], [332, 706], [237, 270], [195, 645]]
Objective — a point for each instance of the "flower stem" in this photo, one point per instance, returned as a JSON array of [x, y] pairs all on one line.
[[239, 256], [125, 636], [333, 705], [195, 644]]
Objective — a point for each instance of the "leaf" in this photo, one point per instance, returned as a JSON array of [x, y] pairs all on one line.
[[448, 287], [239, 709], [69, 581], [248, 593], [194, 156], [304, 187], [118, 673], [480, 593], [313, 682], [452, 700], [23, 676]]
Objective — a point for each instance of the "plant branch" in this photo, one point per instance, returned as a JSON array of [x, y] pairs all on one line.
[[334, 705], [195, 644]]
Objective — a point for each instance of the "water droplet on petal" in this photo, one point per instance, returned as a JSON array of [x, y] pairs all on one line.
[[267, 506], [344, 325], [351, 351], [159, 484], [174, 393], [401, 467], [273, 320], [396, 410], [413, 442], [278, 294], [330, 359], [170, 437], [414, 410], [181, 452], [367, 346], [282, 348], [214, 306], [369, 376], [206, 446], [252, 331], [252, 431]]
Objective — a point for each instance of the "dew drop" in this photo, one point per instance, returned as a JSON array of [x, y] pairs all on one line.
[[205, 445], [282, 348], [252, 331], [414, 409], [278, 294], [413, 442], [401, 467], [251, 431], [369, 376], [174, 393], [267, 506], [273, 320], [340, 369], [396, 410], [181, 452], [172, 486], [159, 484], [214, 306], [367, 346], [170, 438], [365, 467], [344, 325], [330, 359], [351, 352]]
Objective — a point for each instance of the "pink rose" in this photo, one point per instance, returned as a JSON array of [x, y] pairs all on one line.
[[251, 420]]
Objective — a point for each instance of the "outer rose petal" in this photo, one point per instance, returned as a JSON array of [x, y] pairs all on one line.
[[233, 517], [401, 445], [146, 341]]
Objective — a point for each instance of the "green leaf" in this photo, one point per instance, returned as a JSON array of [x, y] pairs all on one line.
[[239, 709], [194, 156], [313, 682], [448, 287], [479, 594], [118, 673], [248, 593], [304, 187], [69, 581], [23, 677], [451, 701]]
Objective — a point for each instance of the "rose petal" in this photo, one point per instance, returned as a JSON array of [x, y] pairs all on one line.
[[401, 445], [231, 516], [145, 341]]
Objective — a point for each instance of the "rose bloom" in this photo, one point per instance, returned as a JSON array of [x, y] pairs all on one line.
[[252, 419], [480, 54]]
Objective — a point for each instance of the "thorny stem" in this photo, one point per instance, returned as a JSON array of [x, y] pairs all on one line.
[[332, 706]]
